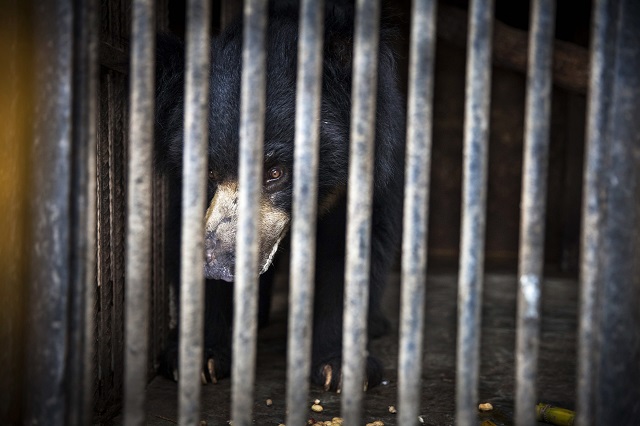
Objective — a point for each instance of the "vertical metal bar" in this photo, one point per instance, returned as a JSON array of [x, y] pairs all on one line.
[[252, 104], [359, 205], [476, 142], [81, 341], [138, 237], [533, 207], [618, 334], [50, 211], [416, 212], [305, 193], [601, 77], [194, 192]]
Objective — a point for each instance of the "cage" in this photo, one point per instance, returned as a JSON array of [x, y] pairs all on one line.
[[520, 194]]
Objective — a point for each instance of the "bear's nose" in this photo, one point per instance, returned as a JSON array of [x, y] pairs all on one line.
[[210, 244], [209, 255]]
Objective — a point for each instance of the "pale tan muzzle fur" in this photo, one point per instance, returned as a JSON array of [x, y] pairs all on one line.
[[221, 221]]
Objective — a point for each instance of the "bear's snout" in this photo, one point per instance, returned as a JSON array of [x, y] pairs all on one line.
[[221, 222], [219, 258]]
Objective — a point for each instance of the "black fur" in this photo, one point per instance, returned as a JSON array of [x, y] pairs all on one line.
[[279, 135]]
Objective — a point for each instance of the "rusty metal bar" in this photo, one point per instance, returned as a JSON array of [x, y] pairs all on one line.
[[617, 343], [252, 110], [476, 142], [138, 238], [416, 211], [359, 205], [194, 193], [305, 193], [83, 234], [604, 26], [50, 228], [533, 207]]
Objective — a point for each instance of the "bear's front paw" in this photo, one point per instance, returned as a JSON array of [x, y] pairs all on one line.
[[216, 365], [328, 373]]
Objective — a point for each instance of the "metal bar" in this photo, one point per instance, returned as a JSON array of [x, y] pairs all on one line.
[[359, 205], [49, 278], [416, 211], [305, 193], [601, 77], [83, 259], [476, 135], [194, 193], [252, 104], [138, 236], [533, 207], [618, 333]]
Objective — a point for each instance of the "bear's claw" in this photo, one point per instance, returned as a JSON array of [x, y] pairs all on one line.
[[329, 374], [215, 365], [207, 375], [211, 367]]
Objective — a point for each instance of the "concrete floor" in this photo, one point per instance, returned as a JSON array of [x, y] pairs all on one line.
[[556, 381]]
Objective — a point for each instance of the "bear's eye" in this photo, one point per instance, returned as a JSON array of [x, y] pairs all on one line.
[[274, 173], [212, 175]]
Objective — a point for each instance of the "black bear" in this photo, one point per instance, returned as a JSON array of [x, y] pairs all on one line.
[[220, 217]]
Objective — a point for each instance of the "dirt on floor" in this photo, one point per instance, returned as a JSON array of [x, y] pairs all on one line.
[[557, 364]]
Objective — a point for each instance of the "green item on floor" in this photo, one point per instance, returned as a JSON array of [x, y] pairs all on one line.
[[554, 415]]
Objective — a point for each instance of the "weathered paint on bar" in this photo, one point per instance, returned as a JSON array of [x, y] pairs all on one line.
[[303, 229], [604, 24], [138, 239], [83, 260], [194, 193], [474, 193], [533, 207], [416, 211], [359, 206], [50, 227], [252, 111]]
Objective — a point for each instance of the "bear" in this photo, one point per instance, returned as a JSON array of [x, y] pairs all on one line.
[[275, 211]]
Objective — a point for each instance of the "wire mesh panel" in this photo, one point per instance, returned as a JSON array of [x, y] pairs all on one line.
[[112, 149], [111, 202], [109, 307]]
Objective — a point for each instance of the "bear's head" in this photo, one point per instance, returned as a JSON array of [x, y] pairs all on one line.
[[221, 216]]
